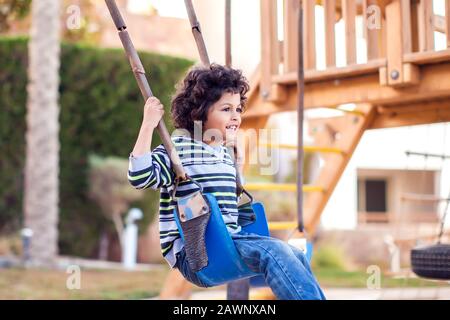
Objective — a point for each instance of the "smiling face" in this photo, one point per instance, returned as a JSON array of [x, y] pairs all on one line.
[[224, 119]]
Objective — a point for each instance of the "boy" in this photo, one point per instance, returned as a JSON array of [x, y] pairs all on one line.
[[211, 100]]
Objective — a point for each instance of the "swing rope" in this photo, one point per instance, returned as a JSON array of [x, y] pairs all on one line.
[[300, 114], [139, 74], [228, 58], [197, 32], [204, 58], [444, 217]]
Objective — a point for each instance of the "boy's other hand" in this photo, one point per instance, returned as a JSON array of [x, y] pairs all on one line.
[[153, 112]]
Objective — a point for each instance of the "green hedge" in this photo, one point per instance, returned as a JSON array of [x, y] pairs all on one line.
[[101, 110]]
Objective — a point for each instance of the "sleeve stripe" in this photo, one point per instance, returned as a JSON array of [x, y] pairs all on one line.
[[167, 177], [134, 178]]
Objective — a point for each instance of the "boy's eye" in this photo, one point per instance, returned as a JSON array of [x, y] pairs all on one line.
[[239, 110]]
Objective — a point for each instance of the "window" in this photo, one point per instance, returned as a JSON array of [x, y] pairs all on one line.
[[375, 195], [372, 199]]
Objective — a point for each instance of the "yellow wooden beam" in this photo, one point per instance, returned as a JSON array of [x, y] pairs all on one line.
[[305, 148], [355, 112], [282, 225]]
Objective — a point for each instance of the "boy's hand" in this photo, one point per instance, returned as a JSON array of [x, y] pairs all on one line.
[[153, 112]]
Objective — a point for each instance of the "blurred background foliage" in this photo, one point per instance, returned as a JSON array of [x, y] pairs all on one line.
[[100, 114], [11, 10]]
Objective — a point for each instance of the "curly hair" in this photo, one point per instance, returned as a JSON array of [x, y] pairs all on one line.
[[200, 89]]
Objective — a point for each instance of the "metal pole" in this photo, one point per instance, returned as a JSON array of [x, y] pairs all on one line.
[[426, 155], [300, 111], [444, 217], [139, 74], [228, 59]]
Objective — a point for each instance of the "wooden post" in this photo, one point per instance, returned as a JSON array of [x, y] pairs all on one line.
[[426, 25], [270, 52], [406, 25], [349, 13], [394, 46], [290, 45], [398, 24], [309, 34], [447, 21], [330, 46], [371, 32], [415, 26]]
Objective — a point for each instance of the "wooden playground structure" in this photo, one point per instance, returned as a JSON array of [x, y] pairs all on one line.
[[405, 81]]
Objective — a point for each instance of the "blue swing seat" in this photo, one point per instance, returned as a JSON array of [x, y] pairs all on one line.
[[224, 262]]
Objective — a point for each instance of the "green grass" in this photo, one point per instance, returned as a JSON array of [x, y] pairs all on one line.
[[95, 284], [334, 278], [117, 285]]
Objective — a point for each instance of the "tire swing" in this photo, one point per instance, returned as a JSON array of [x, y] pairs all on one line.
[[433, 261]]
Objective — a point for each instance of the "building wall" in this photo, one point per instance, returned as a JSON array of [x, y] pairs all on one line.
[[384, 149], [165, 35]]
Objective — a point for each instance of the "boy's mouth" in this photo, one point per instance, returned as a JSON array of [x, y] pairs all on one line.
[[232, 127]]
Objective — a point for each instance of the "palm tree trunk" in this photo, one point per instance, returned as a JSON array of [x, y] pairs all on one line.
[[42, 141]]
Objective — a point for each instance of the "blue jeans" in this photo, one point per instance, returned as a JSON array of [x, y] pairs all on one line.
[[284, 267]]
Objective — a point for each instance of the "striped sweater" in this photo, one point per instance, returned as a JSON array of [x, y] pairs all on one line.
[[212, 168]]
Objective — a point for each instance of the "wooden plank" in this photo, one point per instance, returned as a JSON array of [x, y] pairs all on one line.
[[333, 73], [419, 113], [434, 83], [415, 25], [330, 46], [309, 34], [372, 33], [361, 88], [384, 38], [406, 26], [349, 13], [426, 25], [427, 57], [290, 43], [421, 106], [447, 21], [418, 58], [395, 44], [269, 46]]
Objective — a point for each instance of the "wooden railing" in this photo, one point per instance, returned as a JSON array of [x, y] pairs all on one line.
[[399, 37]]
